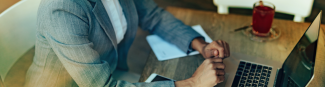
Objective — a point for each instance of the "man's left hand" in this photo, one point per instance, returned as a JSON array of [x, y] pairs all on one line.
[[215, 49]]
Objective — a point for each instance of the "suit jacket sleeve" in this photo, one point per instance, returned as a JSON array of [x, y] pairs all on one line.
[[65, 26], [160, 22]]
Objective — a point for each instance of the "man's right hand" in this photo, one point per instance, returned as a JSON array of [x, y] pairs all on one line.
[[208, 74]]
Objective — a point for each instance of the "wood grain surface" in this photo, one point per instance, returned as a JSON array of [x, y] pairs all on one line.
[[4, 4], [219, 27]]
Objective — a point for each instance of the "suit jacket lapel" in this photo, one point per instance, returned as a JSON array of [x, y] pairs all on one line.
[[104, 21]]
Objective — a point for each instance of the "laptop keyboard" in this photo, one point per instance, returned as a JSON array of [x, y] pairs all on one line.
[[291, 83], [252, 75]]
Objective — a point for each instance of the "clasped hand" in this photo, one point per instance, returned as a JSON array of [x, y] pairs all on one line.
[[211, 71]]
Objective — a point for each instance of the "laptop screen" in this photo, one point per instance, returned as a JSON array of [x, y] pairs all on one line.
[[298, 68]]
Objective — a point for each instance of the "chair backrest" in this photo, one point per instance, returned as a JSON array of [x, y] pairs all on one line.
[[17, 32], [299, 8]]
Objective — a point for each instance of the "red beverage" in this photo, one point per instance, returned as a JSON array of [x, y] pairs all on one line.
[[262, 20]]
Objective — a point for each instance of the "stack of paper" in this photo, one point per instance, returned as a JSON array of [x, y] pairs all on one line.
[[165, 50]]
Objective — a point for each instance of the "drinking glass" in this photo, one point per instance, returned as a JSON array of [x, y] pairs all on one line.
[[263, 14], [262, 29]]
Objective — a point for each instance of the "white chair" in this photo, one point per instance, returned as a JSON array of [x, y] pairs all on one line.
[[17, 33], [299, 8]]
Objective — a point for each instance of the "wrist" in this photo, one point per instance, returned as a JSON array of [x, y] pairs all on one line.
[[186, 83], [198, 44]]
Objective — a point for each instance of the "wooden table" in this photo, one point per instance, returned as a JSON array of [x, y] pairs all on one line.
[[218, 26], [4, 4]]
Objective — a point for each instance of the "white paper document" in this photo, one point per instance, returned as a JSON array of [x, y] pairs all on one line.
[[165, 50]]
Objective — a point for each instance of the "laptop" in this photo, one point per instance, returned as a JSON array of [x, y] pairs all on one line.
[[296, 71]]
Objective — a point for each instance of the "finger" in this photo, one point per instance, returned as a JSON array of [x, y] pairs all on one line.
[[214, 60], [220, 72], [210, 53], [225, 47], [221, 49], [221, 53], [214, 53], [220, 79], [219, 65]]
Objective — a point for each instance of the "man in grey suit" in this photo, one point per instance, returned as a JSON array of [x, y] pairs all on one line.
[[81, 42]]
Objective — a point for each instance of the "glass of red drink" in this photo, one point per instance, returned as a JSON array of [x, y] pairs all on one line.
[[263, 14]]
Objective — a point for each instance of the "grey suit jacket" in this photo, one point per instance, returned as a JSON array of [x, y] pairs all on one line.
[[76, 43]]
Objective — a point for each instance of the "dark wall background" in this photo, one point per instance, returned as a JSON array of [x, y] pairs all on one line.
[[208, 6]]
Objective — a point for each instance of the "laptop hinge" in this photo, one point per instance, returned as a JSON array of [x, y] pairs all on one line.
[[278, 78]]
